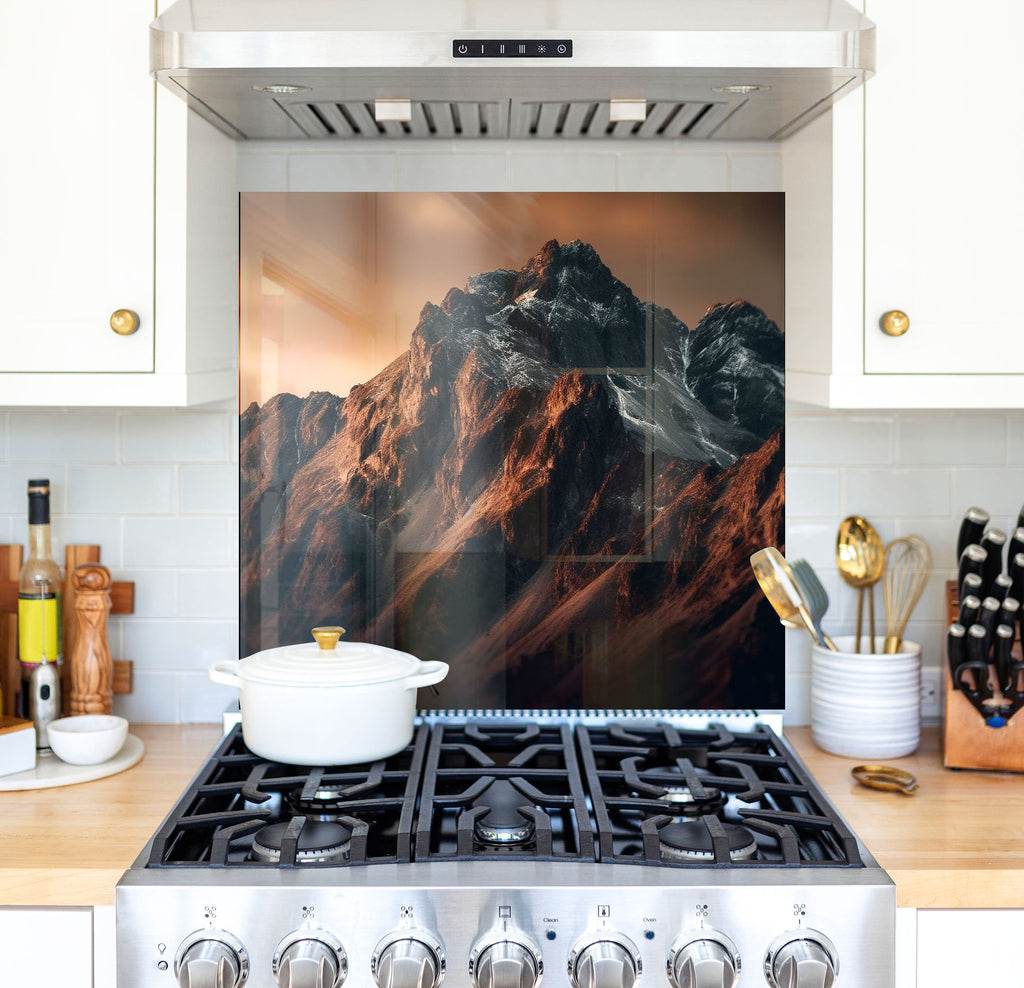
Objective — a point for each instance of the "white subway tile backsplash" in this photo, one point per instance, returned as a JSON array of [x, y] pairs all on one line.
[[811, 492], [670, 172], [964, 440], [80, 437], [1015, 439], [156, 592], [159, 645], [174, 437], [154, 699], [209, 490], [897, 493], [209, 593], [821, 440], [179, 542], [121, 490], [203, 701], [14, 478], [88, 529], [999, 490]]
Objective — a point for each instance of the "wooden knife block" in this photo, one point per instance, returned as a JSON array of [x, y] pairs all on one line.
[[967, 741], [122, 597]]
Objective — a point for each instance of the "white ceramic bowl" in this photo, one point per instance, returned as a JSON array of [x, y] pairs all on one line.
[[88, 739]]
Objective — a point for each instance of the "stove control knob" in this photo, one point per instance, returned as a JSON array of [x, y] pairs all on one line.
[[606, 960], [408, 959], [801, 959], [499, 961], [709, 960], [211, 959], [310, 959]]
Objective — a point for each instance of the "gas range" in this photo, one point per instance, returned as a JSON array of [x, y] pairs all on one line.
[[495, 852]]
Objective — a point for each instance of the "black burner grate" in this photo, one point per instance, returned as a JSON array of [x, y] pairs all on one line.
[[621, 793]]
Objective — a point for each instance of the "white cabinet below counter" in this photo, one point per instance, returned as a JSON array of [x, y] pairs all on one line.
[[918, 173], [114, 199], [53, 947]]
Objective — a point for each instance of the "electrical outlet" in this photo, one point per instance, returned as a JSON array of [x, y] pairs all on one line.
[[931, 694]]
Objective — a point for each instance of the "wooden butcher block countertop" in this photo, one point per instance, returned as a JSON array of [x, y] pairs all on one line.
[[69, 846], [959, 842]]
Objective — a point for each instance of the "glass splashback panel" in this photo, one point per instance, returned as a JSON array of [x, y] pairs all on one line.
[[534, 435]]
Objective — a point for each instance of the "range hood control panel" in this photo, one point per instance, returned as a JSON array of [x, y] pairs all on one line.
[[514, 48]]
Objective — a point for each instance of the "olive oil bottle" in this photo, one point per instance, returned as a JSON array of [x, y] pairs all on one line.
[[39, 594]]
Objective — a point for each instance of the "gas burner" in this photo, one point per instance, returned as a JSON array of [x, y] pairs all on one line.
[[502, 823], [691, 841], [681, 801], [318, 843]]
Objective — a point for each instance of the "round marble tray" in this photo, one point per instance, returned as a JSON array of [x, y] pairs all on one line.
[[50, 771]]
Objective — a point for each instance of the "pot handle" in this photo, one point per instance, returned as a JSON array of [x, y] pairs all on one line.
[[430, 673], [224, 673]]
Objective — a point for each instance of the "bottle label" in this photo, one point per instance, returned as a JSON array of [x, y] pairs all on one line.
[[39, 631]]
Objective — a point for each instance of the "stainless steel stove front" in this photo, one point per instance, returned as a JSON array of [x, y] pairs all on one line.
[[491, 925]]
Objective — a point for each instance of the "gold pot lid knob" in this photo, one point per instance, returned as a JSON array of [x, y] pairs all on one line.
[[124, 322], [895, 323], [327, 636]]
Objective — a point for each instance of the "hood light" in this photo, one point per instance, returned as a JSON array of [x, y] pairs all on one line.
[[741, 89], [280, 90]]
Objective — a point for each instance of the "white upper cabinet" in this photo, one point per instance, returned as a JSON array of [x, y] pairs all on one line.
[[922, 167], [96, 216]]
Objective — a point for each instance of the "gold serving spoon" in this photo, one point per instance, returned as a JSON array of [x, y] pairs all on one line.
[[860, 558], [776, 580]]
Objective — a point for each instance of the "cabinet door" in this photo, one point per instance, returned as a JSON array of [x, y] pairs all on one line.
[[944, 212], [46, 948], [76, 201]]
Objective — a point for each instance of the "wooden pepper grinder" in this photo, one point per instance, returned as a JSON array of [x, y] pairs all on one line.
[[92, 670]]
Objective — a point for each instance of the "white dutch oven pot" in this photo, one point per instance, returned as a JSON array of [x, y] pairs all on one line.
[[325, 703]]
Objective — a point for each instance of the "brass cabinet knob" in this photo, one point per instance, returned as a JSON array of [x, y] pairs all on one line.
[[124, 322], [895, 323]]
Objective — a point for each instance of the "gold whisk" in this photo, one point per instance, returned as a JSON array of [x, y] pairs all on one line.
[[908, 563]]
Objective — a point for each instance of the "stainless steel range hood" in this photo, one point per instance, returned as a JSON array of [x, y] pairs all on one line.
[[495, 69]]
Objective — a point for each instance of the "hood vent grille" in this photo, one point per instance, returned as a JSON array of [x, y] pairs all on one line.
[[579, 119], [355, 119]]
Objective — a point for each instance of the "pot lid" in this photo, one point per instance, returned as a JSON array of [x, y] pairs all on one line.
[[338, 664]]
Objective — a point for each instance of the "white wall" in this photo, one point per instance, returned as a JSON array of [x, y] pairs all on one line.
[[158, 489]]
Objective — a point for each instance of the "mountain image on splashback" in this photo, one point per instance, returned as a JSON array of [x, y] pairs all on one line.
[[556, 489]]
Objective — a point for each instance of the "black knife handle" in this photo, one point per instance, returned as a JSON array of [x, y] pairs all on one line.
[[993, 542], [977, 660], [1009, 612], [988, 618], [1002, 661], [1017, 576], [971, 585], [1020, 517], [1000, 587], [956, 650], [970, 608], [979, 671], [973, 524], [972, 560], [1016, 545]]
